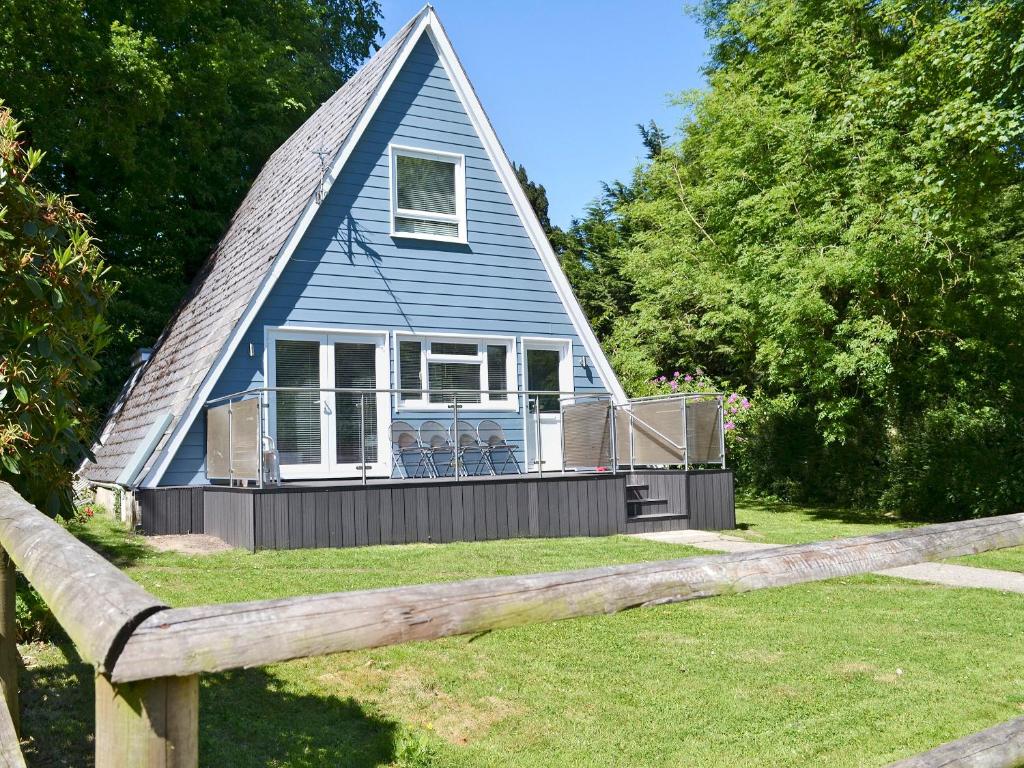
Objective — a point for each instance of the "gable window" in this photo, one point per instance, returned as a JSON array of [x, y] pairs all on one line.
[[478, 369], [428, 198]]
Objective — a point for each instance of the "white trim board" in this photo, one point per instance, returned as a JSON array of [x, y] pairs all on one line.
[[426, 22]]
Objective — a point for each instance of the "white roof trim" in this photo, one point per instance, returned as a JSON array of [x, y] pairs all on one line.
[[500, 161], [429, 23], [284, 255]]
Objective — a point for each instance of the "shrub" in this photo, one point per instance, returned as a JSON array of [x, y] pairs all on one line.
[[52, 299]]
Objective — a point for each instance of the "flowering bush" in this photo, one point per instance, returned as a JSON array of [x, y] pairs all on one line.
[[84, 513], [738, 407]]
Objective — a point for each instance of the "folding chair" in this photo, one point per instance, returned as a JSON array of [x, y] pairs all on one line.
[[409, 453], [470, 449], [495, 445], [440, 451]]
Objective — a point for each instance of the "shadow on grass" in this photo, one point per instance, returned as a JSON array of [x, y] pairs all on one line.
[[247, 719], [829, 514], [119, 546]]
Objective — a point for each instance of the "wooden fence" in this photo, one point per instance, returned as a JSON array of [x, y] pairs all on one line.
[[148, 656]]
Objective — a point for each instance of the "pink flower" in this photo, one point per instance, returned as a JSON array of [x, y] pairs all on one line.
[[675, 375], [662, 379], [745, 404], [729, 425], [674, 384], [733, 397], [687, 378], [733, 409]]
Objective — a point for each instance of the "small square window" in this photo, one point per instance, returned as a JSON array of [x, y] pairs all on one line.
[[427, 195]]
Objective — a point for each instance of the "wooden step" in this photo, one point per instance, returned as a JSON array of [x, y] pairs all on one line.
[[636, 492], [634, 507], [653, 516]]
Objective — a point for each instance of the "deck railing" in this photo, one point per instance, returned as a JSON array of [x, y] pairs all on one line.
[[148, 657], [594, 432]]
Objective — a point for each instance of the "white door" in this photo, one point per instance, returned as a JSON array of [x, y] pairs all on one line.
[[319, 432], [548, 368]]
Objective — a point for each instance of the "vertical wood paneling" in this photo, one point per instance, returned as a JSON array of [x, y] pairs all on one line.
[[469, 513], [470, 510], [434, 512], [373, 515], [359, 515], [334, 537]]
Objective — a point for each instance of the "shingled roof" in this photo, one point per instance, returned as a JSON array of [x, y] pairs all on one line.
[[235, 270]]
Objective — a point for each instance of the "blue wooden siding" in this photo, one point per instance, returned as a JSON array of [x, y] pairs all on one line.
[[349, 272]]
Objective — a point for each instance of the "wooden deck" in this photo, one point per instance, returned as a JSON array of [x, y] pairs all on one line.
[[306, 515]]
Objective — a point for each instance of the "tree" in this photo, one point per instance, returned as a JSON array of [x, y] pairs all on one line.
[[157, 115], [537, 195], [53, 294], [841, 228]]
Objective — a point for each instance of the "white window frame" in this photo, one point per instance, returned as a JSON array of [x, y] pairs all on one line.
[[459, 218], [482, 341]]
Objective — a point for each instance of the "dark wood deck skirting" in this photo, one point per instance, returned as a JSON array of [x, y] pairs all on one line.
[[313, 515]]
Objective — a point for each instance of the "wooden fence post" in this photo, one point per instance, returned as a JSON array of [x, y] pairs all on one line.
[[9, 638], [148, 724]]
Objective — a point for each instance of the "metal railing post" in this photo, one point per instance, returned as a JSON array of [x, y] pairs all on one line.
[[362, 435], [540, 444], [686, 440], [632, 460], [261, 468], [721, 428], [455, 433], [612, 444], [231, 457]]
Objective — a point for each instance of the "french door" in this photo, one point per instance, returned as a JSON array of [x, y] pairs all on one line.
[[319, 432]]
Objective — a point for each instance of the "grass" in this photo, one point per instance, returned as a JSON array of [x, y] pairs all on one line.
[[852, 672], [775, 523]]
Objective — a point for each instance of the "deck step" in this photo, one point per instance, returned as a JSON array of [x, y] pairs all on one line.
[[653, 516], [642, 502], [636, 507]]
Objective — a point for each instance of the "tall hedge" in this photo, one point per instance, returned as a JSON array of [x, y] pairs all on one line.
[[52, 299]]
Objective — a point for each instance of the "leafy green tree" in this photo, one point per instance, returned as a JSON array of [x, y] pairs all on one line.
[[53, 294], [840, 228], [157, 115]]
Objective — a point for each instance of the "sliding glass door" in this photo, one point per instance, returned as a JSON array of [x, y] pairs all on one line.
[[318, 431]]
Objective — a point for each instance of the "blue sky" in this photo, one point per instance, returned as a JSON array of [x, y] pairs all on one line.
[[566, 81]]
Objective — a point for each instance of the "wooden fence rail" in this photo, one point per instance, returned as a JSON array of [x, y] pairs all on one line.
[[148, 656], [999, 747]]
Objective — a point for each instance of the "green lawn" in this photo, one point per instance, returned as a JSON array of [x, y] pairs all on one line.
[[852, 672], [786, 524], [774, 523]]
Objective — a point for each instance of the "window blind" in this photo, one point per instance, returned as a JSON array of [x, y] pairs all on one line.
[[355, 367], [462, 376], [298, 413], [497, 370], [409, 374], [453, 348], [426, 185]]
